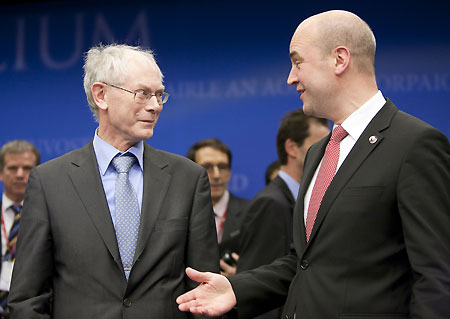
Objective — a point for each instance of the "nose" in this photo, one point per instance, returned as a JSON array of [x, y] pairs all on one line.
[[152, 105], [215, 171], [292, 77], [20, 172]]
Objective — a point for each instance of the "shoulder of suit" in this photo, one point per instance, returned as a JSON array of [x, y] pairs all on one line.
[[77, 155], [274, 191]]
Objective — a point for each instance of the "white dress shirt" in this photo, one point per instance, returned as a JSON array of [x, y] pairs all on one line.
[[355, 125]]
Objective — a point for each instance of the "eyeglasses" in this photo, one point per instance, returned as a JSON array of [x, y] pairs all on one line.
[[222, 167], [142, 96]]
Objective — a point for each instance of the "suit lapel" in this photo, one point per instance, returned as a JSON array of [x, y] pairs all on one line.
[[156, 185], [86, 179], [359, 153]]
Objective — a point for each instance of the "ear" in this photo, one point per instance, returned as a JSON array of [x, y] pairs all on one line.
[[342, 59], [291, 148], [99, 94]]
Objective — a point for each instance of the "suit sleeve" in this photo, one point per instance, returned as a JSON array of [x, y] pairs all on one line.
[[31, 289], [202, 247], [265, 288], [424, 206]]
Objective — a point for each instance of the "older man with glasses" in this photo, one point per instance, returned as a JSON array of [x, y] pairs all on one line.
[[107, 230]]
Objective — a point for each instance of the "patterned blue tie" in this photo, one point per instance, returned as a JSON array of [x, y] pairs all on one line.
[[127, 211]]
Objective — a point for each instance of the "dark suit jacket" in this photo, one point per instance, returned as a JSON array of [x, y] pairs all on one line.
[[266, 232], [68, 263], [232, 227], [380, 245]]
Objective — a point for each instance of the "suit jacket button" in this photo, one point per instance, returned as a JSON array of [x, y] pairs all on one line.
[[304, 264], [127, 302]]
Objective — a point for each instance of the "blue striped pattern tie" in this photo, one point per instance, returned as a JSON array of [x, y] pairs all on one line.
[[127, 211]]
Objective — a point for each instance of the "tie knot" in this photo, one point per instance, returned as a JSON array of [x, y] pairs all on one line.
[[339, 133], [16, 209], [123, 163]]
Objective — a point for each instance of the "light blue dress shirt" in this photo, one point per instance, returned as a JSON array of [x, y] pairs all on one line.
[[292, 184], [104, 153]]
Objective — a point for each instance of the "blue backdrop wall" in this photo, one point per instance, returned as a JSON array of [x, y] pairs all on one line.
[[225, 66]]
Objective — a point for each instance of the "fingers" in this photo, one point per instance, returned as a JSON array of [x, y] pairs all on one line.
[[227, 269], [185, 305], [197, 275], [187, 299]]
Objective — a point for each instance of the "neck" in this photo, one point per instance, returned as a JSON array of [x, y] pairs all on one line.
[[17, 200], [356, 94], [118, 142]]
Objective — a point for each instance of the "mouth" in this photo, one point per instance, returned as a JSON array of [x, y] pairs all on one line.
[[301, 92], [149, 122]]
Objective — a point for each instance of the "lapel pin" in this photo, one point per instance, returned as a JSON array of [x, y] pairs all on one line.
[[373, 139]]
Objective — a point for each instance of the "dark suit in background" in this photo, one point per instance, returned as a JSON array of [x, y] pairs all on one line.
[[267, 226], [267, 230], [231, 229]]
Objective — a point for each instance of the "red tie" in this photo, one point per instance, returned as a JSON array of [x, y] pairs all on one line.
[[324, 177]]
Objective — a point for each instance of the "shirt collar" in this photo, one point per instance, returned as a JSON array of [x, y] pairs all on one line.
[[222, 205], [105, 152], [357, 122], [7, 203], [291, 183]]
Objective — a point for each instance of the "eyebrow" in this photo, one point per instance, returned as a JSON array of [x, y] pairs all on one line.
[[293, 53], [146, 88]]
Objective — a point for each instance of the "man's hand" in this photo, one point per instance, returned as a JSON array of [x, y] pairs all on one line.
[[213, 297], [227, 269]]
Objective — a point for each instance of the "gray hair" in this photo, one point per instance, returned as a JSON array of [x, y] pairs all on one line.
[[17, 147], [108, 64]]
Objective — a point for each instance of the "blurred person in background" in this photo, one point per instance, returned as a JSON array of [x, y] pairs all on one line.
[[17, 159], [215, 157]]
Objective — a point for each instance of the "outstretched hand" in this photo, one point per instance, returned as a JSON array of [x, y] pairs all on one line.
[[213, 297]]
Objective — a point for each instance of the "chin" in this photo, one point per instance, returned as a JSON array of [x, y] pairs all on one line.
[[147, 134]]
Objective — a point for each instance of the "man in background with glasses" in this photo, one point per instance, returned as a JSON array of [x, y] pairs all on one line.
[[215, 157], [108, 229]]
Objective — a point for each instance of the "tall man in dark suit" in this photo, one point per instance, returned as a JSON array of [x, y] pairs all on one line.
[[266, 232], [17, 158], [108, 229], [378, 245], [215, 157]]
